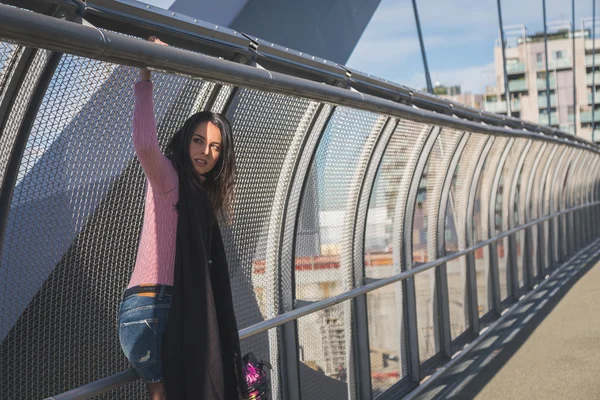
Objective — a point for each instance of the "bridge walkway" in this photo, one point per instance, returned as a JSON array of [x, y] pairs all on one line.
[[552, 354]]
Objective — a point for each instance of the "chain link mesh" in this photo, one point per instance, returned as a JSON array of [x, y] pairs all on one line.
[[525, 179], [425, 231], [385, 306], [482, 223], [73, 228], [76, 213], [325, 375], [536, 209], [323, 251], [265, 125], [503, 207], [456, 233]]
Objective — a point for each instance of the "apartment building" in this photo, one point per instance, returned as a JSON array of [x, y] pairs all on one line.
[[526, 71]]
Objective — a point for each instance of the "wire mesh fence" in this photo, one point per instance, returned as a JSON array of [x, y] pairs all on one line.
[[326, 195]]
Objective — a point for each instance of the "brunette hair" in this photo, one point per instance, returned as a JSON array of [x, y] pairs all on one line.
[[220, 181]]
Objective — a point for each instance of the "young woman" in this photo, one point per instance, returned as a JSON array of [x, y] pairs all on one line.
[[176, 321]]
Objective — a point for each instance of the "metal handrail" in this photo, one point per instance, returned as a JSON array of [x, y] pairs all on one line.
[[122, 378], [218, 41], [41, 31], [35, 30]]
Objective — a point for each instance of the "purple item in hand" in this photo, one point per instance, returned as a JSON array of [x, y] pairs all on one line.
[[257, 378]]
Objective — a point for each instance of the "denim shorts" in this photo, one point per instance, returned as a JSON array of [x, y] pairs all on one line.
[[142, 323]]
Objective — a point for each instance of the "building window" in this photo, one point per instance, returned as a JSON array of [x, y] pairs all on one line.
[[538, 57], [570, 110], [559, 55]]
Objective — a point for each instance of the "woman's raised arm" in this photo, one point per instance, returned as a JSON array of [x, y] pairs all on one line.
[[145, 141]]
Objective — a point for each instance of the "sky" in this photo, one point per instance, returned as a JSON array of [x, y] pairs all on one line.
[[459, 38]]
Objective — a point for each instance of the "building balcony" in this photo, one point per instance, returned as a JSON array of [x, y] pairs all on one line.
[[588, 60], [568, 128], [518, 85], [586, 116], [596, 98], [543, 101], [588, 79], [563, 63], [544, 119], [589, 45], [515, 68], [541, 83], [500, 106]]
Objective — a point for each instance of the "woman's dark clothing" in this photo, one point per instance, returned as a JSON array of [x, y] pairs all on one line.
[[201, 353]]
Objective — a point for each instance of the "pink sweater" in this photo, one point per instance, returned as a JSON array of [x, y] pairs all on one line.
[[156, 253]]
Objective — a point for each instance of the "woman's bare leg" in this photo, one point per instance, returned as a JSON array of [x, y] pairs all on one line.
[[156, 391]]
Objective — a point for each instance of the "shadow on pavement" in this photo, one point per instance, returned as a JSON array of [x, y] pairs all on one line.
[[466, 379]]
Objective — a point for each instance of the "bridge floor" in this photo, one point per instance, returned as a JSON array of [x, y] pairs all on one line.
[[552, 354]]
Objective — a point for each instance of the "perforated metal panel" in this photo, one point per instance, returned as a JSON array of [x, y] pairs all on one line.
[[456, 232], [324, 353], [424, 243], [73, 227], [503, 207], [530, 166], [262, 145], [553, 183], [324, 194], [481, 224], [386, 338], [382, 258], [536, 211], [324, 264], [331, 191]]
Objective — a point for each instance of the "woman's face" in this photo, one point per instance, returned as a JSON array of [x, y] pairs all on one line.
[[205, 147]]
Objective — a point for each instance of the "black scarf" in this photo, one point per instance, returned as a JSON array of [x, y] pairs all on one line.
[[201, 348]]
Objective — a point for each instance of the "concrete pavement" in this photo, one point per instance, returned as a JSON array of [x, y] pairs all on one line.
[[548, 348]]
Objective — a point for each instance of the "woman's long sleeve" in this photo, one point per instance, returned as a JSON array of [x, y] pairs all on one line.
[[145, 142]]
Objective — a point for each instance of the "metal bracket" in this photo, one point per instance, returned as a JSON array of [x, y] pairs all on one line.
[[347, 82], [253, 51]]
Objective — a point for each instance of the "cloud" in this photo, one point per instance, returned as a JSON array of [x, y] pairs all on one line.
[[394, 50], [458, 34]]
